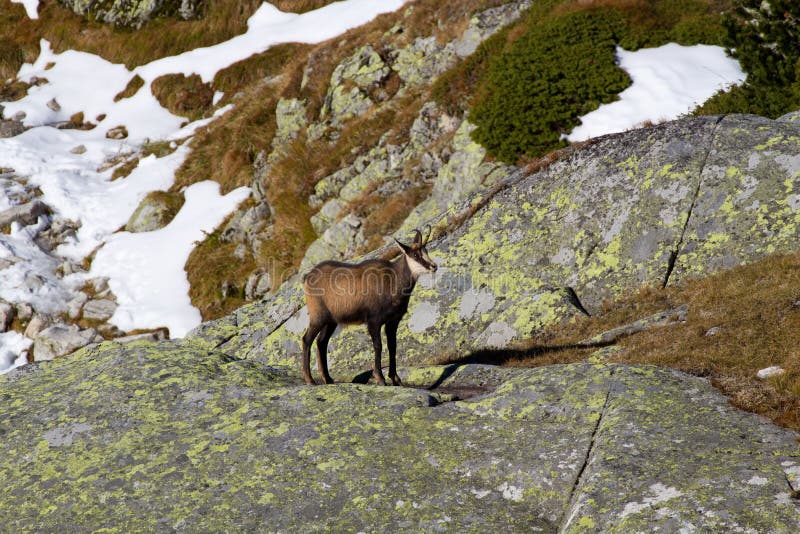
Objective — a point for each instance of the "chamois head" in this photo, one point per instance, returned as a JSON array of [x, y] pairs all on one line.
[[416, 254]]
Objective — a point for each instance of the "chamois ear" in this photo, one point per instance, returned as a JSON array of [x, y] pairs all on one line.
[[401, 246], [417, 237]]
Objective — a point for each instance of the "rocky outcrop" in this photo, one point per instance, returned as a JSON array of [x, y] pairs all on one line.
[[647, 207], [135, 12], [171, 436]]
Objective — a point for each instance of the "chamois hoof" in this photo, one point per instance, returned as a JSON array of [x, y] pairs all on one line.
[[396, 381]]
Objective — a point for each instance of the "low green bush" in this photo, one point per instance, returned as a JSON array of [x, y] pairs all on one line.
[[558, 63], [765, 38]]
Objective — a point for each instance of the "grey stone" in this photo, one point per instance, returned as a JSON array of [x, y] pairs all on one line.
[[337, 242], [53, 105], [24, 311], [158, 335], [258, 285], [37, 324], [7, 313], [59, 340], [25, 214], [99, 309], [135, 13], [11, 128], [75, 305], [80, 149], [117, 133], [153, 213]]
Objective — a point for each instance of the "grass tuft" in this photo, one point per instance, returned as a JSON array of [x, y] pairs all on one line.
[[754, 310]]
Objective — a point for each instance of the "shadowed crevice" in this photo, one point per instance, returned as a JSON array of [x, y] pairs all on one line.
[[673, 256], [573, 495]]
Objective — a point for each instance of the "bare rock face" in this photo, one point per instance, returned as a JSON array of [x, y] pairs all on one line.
[[175, 429], [646, 207]]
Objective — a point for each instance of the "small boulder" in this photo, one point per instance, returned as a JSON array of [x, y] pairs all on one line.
[[11, 128], [7, 313], [60, 340], [258, 285], [24, 214], [37, 324], [155, 211], [99, 309], [117, 133]]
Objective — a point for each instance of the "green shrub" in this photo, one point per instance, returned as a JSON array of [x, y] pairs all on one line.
[[765, 38], [559, 64], [557, 71]]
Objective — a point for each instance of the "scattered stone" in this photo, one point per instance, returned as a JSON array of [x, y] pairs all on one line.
[[713, 331], [60, 340], [25, 214], [99, 284], [11, 128], [117, 133], [24, 311], [69, 267], [19, 116], [158, 335], [258, 285], [99, 309], [75, 306], [54, 105], [80, 149], [769, 372], [7, 313], [37, 324]]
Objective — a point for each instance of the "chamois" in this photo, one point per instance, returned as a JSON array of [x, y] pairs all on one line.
[[374, 292]]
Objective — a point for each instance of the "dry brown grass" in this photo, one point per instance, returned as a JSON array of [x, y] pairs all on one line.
[[210, 263], [185, 96], [756, 309], [131, 88]]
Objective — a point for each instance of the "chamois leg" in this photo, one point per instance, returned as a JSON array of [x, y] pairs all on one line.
[[308, 339], [322, 350], [375, 334], [391, 344]]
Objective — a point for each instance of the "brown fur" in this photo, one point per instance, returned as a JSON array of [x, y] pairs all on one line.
[[373, 292]]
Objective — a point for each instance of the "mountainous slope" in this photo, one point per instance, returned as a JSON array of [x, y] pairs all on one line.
[[647, 207]]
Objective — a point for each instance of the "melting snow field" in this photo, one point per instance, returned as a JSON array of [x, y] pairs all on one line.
[[145, 270]]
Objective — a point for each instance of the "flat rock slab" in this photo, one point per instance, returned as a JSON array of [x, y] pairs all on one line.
[[155, 437]]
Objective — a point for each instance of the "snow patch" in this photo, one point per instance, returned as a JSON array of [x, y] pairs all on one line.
[[145, 270], [668, 81]]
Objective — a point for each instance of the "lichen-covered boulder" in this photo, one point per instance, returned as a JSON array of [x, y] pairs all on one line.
[[646, 207], [155, 211], [152, 437], [352, 79], [337, 242], [135, 12]]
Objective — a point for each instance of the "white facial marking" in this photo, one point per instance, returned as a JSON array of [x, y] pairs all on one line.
[[416, 267]]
